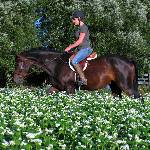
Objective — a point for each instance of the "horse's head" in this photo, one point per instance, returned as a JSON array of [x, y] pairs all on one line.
[[43, 58], [22, 66]]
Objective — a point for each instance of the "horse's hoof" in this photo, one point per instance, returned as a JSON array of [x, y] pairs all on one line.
[[53, 90]]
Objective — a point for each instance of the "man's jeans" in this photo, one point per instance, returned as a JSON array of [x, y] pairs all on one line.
[[81, 54]]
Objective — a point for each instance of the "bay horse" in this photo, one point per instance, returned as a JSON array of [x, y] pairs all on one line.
[[118, 72]]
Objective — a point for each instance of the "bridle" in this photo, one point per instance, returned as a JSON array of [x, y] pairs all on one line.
[[21, 72]]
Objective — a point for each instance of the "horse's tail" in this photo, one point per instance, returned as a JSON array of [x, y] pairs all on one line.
[[135, 81]]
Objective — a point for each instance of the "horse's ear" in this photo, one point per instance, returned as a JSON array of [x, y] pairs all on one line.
[[17, 57], [65, 56]]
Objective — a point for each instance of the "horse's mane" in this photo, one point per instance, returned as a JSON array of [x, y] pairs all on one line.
[[36, 53], [41, 50]]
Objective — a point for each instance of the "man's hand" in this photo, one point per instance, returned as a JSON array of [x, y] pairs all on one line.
[[68, 49]]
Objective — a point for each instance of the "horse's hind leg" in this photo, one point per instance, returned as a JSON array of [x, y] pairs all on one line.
[[129, 88], [116, 91], [135, 94], [132, 92]]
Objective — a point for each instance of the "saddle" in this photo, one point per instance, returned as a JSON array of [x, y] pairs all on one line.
[[84, 62]]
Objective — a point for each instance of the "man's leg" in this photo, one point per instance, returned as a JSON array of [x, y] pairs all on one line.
[[82, 54]]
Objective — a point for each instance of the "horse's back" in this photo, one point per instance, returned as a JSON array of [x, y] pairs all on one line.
[[114, 61], [105, 69], [120, 65]]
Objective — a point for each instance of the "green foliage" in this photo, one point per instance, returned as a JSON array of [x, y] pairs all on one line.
[[86, 120], [118, 27]]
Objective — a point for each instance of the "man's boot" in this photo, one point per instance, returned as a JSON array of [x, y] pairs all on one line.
[[81, 74]]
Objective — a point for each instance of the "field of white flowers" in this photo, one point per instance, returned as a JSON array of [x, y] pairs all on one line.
[[31, 119]]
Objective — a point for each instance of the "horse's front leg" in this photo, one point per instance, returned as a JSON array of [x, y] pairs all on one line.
[[53, 90]]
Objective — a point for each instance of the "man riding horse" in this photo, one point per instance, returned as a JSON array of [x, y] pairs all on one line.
[[118, 72], [82, 43]]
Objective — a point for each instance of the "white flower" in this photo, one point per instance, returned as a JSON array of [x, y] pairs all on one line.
[[83, 146], [132, 110], [121, 141], [5, 143], [125, 147], [39, 113], [77, 123], [8, 131], [36, 140], [63, 146], [130, 136], [109, 137], [137, 138], [20, 124], [23, 143], [115, 135], [11, 142], [49, 130], [57, 124], [50, 147], [31, 135]]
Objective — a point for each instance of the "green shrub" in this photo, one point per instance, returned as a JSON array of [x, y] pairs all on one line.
[[118, 27]]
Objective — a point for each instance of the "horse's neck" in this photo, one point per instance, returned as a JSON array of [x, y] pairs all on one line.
[[48, 61]]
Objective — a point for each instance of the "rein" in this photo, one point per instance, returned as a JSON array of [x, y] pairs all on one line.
[[59, 57]]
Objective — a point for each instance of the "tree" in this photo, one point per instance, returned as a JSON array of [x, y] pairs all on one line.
[[118, 27]]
